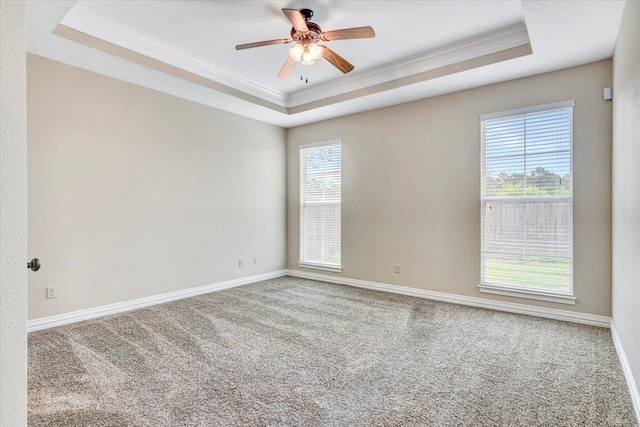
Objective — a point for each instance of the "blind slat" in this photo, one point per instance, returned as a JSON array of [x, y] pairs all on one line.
[[320, 204], [527, 203]]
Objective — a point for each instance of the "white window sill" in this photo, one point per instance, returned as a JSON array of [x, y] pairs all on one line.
[[323, 267], [527, 293]]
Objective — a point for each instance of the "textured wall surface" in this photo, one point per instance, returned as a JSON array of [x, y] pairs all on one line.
[[13, 216], [411, 186], [626, 186], [135, 193]]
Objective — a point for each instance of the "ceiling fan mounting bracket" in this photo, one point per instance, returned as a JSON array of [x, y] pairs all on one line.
[[307, 14]]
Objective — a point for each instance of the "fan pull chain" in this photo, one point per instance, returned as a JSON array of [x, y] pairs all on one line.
[[304, 75]]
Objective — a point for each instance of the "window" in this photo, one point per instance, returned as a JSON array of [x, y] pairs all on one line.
[[320, 205], [527, 203]]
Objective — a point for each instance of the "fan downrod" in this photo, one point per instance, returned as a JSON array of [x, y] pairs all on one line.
[[307, 14]]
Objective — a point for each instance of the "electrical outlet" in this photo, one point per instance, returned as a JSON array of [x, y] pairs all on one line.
[[51, 292], [255, 261], [396, 268], [240, 263]]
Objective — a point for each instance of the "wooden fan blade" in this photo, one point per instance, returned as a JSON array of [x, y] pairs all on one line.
[[287, 68], [262, 43], [297, 20], [336, 60], [349, 33]]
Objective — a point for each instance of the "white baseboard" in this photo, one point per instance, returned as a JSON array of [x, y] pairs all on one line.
[[549, 313], [105, 310], [628, 375]]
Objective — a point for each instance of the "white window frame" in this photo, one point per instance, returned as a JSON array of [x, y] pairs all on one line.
[[302, 262], [516, 291]]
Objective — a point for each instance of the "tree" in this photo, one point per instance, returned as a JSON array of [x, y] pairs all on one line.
[[540, 182]]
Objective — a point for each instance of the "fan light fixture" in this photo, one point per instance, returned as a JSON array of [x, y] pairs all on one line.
[[309, 53]]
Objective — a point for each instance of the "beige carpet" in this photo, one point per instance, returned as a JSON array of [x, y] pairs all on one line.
[[297, 352]]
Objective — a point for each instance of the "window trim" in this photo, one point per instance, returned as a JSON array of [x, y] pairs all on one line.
[[335, 268], [514, 290], [532, 109], [519, 292], [318, 266]]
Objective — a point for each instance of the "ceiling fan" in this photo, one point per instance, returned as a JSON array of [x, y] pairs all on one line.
[[306, 35]]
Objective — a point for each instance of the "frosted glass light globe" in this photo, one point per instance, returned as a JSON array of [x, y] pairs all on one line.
[[296, 52]]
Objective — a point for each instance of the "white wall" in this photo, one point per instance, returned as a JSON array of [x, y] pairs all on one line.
[[411, 186], [13, 216], [136, 193], [626, 186]]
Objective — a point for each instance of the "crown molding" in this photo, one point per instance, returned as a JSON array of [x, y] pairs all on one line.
[[456, 53], [486, 44], [112, 32]]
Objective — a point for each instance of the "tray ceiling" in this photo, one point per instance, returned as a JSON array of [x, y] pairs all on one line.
[[421, 49]]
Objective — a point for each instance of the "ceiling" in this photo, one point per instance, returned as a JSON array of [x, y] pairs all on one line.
[[421, 48]]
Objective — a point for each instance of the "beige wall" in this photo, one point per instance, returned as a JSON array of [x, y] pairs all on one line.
[[626, 186], [411, 186], [134, 193], [13, 215]]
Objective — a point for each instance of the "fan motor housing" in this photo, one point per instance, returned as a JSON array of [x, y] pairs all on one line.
[[314, 32]]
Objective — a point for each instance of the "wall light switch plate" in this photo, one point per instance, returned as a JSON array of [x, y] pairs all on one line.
[[51, 292]]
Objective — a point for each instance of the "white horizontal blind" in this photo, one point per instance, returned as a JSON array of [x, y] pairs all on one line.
[[320, 204], [527, 200]]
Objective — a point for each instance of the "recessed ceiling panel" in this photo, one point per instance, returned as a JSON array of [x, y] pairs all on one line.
[[209, 31], [421, 48]]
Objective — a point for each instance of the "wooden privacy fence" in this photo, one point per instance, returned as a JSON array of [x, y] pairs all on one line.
[[544, 228]]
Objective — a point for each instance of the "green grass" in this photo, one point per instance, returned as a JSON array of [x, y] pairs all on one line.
[[332, 259], [538, 273]]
